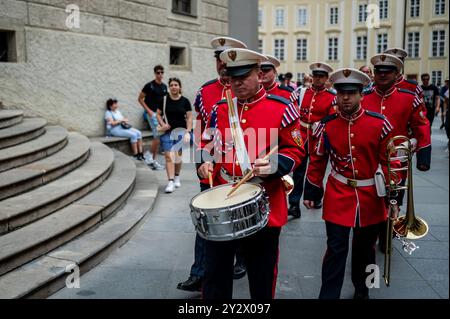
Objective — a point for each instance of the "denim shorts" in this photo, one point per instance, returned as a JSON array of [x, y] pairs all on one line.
[[153, 123], [172, 141]]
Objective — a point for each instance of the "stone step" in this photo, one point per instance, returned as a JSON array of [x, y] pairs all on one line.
[[54, 139], [10, 117], [122, 143], [27, 130], [23, 209], [31, 241], [21, 179], [47, 274]]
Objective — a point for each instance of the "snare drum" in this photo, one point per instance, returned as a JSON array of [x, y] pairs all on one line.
[[219, 218]]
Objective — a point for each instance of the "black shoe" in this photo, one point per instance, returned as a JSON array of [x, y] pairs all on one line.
[[317, 204], [361, 295], [193, 283], [294, 211], [239, 271]]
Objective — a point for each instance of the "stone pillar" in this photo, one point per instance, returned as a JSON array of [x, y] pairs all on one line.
[[243, 21]]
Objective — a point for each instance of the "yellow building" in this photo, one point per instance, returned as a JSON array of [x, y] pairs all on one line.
[[347, 33]]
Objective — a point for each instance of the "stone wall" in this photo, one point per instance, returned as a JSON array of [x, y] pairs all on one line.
[[65, 75]]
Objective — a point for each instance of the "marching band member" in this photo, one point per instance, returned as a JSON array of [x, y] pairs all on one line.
[[315, 102], [404, 111], [401, 81], [269, 80], [252, 108], [354, 140], [207, 96]]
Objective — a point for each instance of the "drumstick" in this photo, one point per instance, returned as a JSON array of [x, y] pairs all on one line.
[[210, 179], [249, 174]]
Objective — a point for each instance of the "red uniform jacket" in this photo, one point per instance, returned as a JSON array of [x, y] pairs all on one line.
[[207, 96], [283, 121], [284, 91], [355, 145], [403, 110], [409, 85], [315, 106]]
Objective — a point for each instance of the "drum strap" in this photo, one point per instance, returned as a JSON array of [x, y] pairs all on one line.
[[238, 137]]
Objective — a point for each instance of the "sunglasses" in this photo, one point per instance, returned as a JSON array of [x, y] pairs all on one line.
[[160, 72]]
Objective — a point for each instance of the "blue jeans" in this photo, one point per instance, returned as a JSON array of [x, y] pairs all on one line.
[[152, 123], [133, 134]]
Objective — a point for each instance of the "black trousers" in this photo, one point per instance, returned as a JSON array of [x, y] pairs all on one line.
[[299, 180], [260, 252], [333, 267]]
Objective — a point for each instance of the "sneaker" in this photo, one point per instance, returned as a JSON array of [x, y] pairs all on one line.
[[156, 166], [138, 157], [170, 187], [177, 182]]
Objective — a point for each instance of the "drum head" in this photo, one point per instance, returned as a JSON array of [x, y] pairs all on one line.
[[216, 197]]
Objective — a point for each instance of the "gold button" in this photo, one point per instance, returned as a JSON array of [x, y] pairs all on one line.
[[246, 108], [383, 107], [352, 135], [314, 100], [354, 159], [353, 147], [237, 163], [356, 172], [351, 123], [244, 121]]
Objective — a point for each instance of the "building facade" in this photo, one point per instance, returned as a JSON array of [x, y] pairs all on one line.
[[349, 32], [61, 60]]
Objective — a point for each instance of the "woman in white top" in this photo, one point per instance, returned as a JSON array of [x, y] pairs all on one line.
[[116, 126]]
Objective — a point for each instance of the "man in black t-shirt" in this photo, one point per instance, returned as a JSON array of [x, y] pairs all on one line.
[[430, 97], [151, 97]]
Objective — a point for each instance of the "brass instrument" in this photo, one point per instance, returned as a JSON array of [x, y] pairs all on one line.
[[408, 226]]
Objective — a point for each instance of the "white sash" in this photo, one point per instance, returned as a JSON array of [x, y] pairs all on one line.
[[238, 137], [302, 92]]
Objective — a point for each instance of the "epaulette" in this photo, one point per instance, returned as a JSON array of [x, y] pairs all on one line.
[[331, 91], [406, 91], [286, 88], [368, 91], [328, 118], [222, 101], [375, 114], [278, 98], [210, 82], [412, 82]]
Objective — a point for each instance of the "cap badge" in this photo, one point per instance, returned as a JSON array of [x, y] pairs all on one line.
[[395, 51], [347, 72], [222, 41], [383, 57], [319, 65], [232, 55]]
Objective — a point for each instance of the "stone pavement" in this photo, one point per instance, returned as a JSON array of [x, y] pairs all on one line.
[[160, 254]]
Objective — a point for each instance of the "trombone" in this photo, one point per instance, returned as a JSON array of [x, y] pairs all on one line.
[[408, 227]]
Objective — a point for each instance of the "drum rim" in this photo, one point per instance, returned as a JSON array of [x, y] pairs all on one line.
[[263, 192]]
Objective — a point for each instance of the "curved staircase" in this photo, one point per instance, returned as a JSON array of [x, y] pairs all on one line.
[[64, 201]]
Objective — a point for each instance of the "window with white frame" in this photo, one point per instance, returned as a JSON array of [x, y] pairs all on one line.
[[300, 77], [260, 45], [333, 49], [384, 8], [438, 43], [334, 15], [279, 49], [439, 7], [362, 13], [436, 78], [382, 42], [361, 47], [413, 44], [279, 17], [414, 8], [260, 17], [302, 17], [302, 49]]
